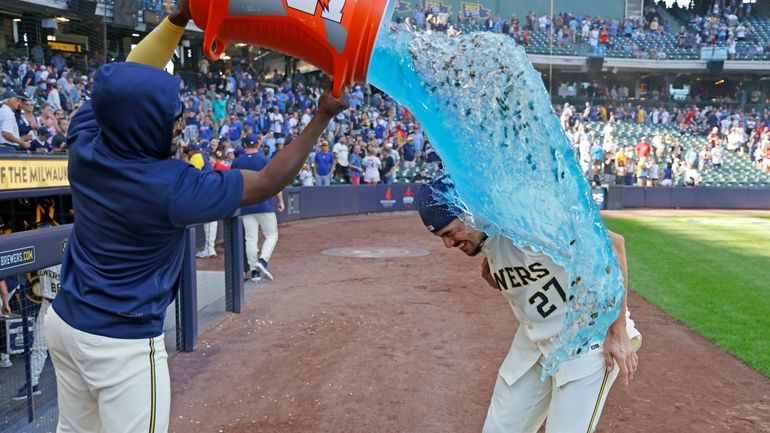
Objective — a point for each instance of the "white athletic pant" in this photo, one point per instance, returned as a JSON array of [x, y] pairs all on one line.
[[210, 231], [5, 356], [39, 352], [251, 225], [108, 385], [574, 407]]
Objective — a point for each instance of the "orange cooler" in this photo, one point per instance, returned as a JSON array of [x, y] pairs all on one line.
[[337, 36]]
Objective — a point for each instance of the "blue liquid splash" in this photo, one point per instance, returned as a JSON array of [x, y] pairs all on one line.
[[486, 111]]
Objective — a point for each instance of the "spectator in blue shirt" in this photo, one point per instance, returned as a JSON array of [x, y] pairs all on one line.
[[379, 130], [324, 161], [206, 129], [409, 153], [597, 153], [236, 131], [258, 216], [355, 165], [388, 170]]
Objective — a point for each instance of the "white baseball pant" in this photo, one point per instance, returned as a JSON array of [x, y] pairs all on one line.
[[251, 225], [210, 233], [39, 352], [108, 385], [574, 407]]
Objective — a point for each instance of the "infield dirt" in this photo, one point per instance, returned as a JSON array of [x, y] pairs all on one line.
[[343, 345]]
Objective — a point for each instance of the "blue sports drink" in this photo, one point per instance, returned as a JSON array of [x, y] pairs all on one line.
[[486, 111]]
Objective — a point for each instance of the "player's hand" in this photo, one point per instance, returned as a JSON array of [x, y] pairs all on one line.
[[6, 310], [618, 350], [280, 207], [486, 274], [329, 106], [181, 15]]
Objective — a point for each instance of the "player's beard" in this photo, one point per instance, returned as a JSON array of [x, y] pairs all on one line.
[[479, 247]]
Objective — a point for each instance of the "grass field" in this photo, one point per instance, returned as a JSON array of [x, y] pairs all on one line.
[[711, 273]]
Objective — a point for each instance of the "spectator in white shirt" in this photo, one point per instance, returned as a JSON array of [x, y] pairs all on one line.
[[276, 123], [341, 153], [306, 176], [54, 98], [9, 128], [717, 156]]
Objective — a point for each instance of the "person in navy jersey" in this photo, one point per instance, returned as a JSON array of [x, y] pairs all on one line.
[[41, 142], [133, 204], [409, 152], [324, 161], [260, 216]]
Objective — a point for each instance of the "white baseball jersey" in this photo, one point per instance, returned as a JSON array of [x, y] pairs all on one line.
[[536, 289], [50, 281]]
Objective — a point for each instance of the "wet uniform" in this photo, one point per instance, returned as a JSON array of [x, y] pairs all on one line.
[[572, 400]]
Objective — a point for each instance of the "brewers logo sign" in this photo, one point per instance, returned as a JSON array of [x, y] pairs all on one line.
[[18, 257]]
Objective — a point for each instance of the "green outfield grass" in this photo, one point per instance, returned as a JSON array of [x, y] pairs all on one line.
[[713, 274]]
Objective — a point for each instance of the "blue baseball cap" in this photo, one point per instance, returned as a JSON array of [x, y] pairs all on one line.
[[194, 148], [205, 145], [435, 211], [251, 140]]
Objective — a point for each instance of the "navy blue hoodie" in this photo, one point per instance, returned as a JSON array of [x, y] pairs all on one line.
[[132, 204]]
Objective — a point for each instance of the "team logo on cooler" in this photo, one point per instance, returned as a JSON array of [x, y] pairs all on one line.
[[332, 9]]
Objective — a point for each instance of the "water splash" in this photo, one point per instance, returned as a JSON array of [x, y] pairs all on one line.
[[486, 111]]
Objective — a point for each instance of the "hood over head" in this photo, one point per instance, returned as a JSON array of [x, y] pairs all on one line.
[[135, 106]]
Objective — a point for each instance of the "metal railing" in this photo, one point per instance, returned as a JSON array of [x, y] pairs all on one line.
[[27, 252]]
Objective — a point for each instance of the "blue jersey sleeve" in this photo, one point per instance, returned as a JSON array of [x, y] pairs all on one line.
[[201, 197]]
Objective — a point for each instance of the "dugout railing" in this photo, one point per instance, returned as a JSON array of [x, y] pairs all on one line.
[[23, 254]]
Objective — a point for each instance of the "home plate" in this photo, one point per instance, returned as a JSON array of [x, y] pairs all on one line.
[[375, 252]]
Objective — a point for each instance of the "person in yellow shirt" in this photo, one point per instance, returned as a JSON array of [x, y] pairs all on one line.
[[640, 115], [198, 159], [202, 162], [620, 157]]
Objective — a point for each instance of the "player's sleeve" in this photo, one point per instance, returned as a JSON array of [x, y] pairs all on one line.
[[157, 48], [205, 196]]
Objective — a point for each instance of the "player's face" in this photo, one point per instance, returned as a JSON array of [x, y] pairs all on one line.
[[458, 235]]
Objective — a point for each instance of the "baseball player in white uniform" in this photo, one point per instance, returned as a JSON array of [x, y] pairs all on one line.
[[49, 283], [537, 289]]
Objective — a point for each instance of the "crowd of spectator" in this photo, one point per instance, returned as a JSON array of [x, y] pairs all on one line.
[[723, 25], [561, 29], [376, 137], [38, 101], [662, 158], [366, 144]]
